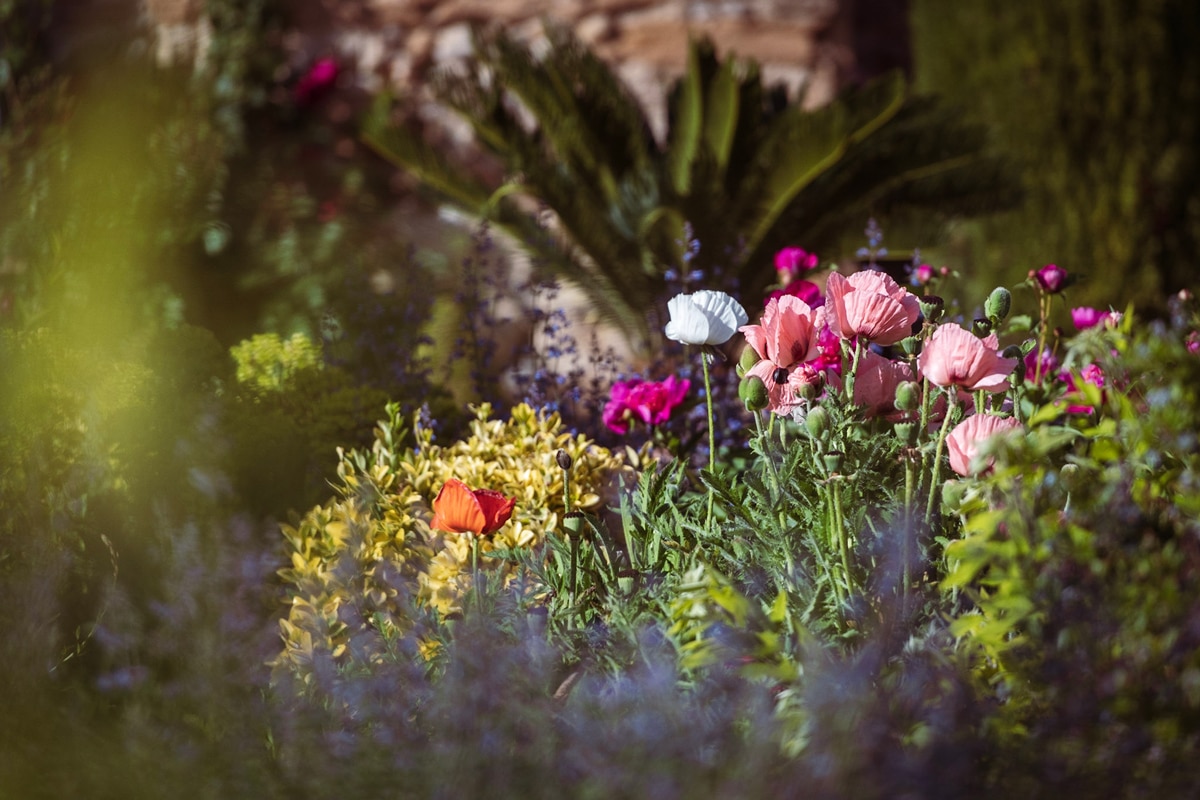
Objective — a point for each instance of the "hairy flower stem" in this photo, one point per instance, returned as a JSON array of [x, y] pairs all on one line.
[[910, 486], [843, 544], [712, 435], [936, 468], [475, 572]]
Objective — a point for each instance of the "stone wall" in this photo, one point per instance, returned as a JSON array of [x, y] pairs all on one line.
[[804, 44]]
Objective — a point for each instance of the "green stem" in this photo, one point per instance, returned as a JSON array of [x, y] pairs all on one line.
[[951, 399], [475, 572], [712, 436], [843, 545]]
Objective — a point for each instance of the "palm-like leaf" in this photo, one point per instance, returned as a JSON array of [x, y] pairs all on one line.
[[750, 172]]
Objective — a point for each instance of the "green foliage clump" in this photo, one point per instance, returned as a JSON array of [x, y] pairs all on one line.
[[1095, 104], [293, 411], [366, 567], [1079, 560]]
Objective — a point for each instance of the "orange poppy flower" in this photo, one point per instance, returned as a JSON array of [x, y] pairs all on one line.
[[460, 509]]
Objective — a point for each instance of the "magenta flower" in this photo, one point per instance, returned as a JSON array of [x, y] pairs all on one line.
[[791, 261], [807, 291], [1047, 366], [785, 338], [318, 80], [871, 305], [966, 440], [651, 402], [1078, 400], [1085, 317], [1052, 278], [922, 275], [876, 381], [1193, 342], [954, 356]]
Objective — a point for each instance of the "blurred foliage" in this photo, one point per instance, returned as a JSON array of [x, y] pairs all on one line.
[[1097, 103], [1080, 558], [742, 171]]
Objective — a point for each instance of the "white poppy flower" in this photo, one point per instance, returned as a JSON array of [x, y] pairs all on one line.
[[704, 317]]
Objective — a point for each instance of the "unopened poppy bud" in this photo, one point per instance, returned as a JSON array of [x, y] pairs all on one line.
[[807, 391], [981, 327], [1072, 476], [932, 307], [749, 359], [908, 396], [564, 460], [753, 393], [998, 304], [817, 421], [953, 493]]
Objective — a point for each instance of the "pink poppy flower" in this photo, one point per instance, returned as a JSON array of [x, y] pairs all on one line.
[[651, 402], [967, 438], [954, 356], [871, 305], [829, 348], [807, 291], [1052, 278], [784, 339], [876, 381], [1085, 317]]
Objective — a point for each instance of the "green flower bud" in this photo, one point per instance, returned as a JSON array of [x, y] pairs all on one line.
[[1072, 476], [932, 307], [807, 391], [908, 396], [953, 493], [817, 421], [998, 304], [753, 393], [749, 359], [1017, 376]]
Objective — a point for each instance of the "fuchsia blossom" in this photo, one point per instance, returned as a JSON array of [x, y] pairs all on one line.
[[807, 291], [1047, 367], [922, 274], [965, 441], [1052, 278], [791, 261], [785, 339], [318, 80], [871, 305], [1090, 374], [649, 401], [1085, 317], [954, 356], [1193, 342]]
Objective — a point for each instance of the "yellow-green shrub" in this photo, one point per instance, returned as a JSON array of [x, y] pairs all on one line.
[[362, 559]]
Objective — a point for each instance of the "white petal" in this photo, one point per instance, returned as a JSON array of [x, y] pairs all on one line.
[[688, 324]]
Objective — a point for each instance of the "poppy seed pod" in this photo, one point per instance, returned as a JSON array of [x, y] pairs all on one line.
[[564, 459], [753, 393], [998, 304], [932, 307]]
